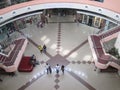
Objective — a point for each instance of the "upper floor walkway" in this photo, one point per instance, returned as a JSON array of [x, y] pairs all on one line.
[[107, 4], [108, 8]]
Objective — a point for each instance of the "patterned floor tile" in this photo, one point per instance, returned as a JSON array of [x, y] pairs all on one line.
[[57, 80], [78, 62], [57, 86], [57, 75], [73, 62]]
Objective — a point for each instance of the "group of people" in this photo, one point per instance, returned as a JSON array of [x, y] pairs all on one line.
[[43, 20], [57, 68], [40, 24], [42, 49]]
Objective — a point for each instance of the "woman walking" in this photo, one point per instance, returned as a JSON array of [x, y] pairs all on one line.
[[63, 68]]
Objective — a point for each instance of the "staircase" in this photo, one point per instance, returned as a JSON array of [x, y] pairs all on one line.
[[102, 59]]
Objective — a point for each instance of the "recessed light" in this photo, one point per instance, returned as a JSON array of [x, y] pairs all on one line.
[[1, 17], [28, 8], [14, 12], [117, 16], [86, 6], [99, 10]]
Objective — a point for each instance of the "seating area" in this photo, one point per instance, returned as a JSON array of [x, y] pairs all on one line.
[[25, 65], [101, 58], [10, 62]]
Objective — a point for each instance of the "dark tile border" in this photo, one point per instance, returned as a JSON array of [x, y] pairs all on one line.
[[79, 46], [36, 45], [30, 82], [58, 38], [87, 85]]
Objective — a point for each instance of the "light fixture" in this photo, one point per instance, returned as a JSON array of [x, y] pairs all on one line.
[[117, 16], [86, 6], [1, 18], [99, 10], [28, 8], [13, 12]]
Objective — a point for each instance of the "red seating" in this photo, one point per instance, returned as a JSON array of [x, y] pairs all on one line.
[[25, 65]]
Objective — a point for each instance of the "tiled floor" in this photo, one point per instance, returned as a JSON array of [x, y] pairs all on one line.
[[66, 44]]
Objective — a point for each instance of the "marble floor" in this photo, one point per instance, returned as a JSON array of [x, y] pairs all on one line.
[[67, 45]]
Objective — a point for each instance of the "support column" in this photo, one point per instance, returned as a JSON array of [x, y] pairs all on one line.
[[117, 44], [119, 72], [106, 25], [15, 25], [44, 12], [8, 2]]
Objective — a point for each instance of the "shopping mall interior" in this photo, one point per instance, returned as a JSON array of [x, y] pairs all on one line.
[[59, 45]]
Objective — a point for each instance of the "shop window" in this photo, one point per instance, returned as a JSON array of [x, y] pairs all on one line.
[[97, 22]]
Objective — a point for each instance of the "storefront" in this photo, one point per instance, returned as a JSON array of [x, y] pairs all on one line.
[[83, 17], [95, 21]]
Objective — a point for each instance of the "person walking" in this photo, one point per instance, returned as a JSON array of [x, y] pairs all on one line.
[[8, 35], [33, 60], [44, 48], [57, 68], [40, 48], [47, 67], [63, 68]]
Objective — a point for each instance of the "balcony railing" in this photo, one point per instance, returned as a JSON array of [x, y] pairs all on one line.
[[6, 3]]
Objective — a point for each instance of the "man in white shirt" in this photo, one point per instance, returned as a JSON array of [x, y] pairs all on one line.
[[47, 67], [57, 68]]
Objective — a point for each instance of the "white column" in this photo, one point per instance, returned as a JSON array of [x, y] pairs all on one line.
[[117, 43], [119, 72], [8, 2], [106, 25]]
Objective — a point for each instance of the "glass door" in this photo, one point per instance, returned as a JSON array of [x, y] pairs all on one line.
[[97, 22], [85, 19]]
